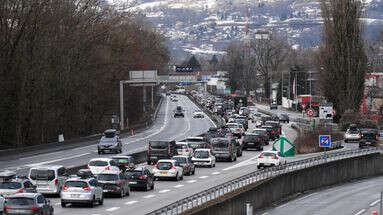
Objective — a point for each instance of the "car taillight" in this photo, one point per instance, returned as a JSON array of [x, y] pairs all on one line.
[[276, 157], [142, 177], [260, 156], [34, 209], [107, 168], [65, 187], [86, 188], [7, 207], [56, 181], [174, 167], [21, 190]]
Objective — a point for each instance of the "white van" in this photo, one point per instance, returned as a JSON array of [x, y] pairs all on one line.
[[103, 165], [48, 179]]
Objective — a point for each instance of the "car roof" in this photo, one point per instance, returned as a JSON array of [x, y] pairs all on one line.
[[166, 160], [269, 151], [26, 195], [48, 167], [180, 156], [122, 156], [259, 129], [194, 138], [201, 150], [78, 178], [100, 159], [110, 130], [181, 143]]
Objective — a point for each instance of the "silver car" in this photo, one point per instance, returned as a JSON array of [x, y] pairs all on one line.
[[2, 201], [81, 191], [110, 142]]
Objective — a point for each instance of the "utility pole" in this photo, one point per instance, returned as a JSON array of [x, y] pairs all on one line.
[[122, 105]]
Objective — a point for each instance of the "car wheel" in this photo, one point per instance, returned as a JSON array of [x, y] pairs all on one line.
[[63, 204], [193, 171], [91, 204], [177, 179], [149, 162], [99, 152], [147, 187], [346, 141], [214, 164], [101, 201], [182, 177], [128, 192], [152, 187], [122, 193], [235, 158]]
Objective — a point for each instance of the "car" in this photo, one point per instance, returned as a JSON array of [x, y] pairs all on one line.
[[197, 143], [276, 125], [103, 165], [27, 203], [263, 133], [179, 112], [258, 123], [236, 129], [140, 177], [270, 158], [352, 135], [186, 163], [124, 162], [48, 179], [271, 131], [16, 185], [2, 202], [244, 111], [117, 184], [161, 150], [224, 149], [110, 142], [213, 132], [251, 140], [273, 106], [82, 190], [183, 148], [198, 114], [284, 118], [242, 120], [168, 169], [203, 157], [369, 137]]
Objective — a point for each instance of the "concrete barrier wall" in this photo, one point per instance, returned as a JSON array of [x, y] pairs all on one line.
[[266, 192]]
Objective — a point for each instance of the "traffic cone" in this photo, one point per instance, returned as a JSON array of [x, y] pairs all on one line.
[[374, 213]]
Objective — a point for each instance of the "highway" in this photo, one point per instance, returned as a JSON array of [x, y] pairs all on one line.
[[355, 198]]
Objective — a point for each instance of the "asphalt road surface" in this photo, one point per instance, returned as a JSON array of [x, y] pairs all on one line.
[[356, 198]]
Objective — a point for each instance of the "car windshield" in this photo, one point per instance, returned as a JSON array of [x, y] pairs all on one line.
[[37, 174], [164, 165], [180, 159], [109, 134], [107, 177], [353, 131], [250, 137], [21, 201], [201, 154], [270, 123], [10, 185], [158, 145], [80, 184], [194, 140], [220, 143], [98, 163], [181, 146], [122, 160], [268, 154], [232, 125], [259, 131], [197, 145], [133, 172], [368, 135]]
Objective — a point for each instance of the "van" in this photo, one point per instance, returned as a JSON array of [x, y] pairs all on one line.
[[224, 149], [161, 150], [48, 179]]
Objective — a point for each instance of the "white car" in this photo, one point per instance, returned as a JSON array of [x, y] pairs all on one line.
[[183, 148], [270, 158], [236, 128], [168, 169], [203, 157], [198, 114], [353, 134], [2, 200], [103, 165]]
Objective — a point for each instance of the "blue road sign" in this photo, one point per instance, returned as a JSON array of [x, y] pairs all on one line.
[[325, 141]]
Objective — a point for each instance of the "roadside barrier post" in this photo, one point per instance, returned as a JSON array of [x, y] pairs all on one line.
[[249, 209]]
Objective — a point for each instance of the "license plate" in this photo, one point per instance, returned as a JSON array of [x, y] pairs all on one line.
[[368, 143], [153, 157], [250, 143], [164, 173], [75, 195], [132, 182]]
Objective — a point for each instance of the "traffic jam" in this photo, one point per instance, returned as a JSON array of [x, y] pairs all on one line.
[[119, 175]]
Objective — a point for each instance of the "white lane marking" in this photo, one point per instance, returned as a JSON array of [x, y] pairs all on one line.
[[149, 196], [131, 202], [164, 191], [361, 212], [112, 209], [250, 161], [203, 177], [374, 203], [58, 203], [265, 213], [179, 186], [191, 181], [216, 173], [56, 160]]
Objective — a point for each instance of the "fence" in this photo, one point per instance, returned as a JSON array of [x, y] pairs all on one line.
[[206, 196]]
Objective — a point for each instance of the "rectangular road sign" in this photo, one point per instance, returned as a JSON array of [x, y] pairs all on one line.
[[325, 141]]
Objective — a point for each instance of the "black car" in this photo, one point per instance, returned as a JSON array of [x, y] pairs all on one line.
[[369, 137], [284, 118], [213, 132], [140, 177], [114, 184], [251, 140], [262, 133], [178, 112], [27, 203], [276, 125], [161, 150], [271, 131]]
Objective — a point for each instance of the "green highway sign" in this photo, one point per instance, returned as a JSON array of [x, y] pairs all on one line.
[[284, 146]]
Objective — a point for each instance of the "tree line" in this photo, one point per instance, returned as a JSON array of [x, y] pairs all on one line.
[[60, 66]]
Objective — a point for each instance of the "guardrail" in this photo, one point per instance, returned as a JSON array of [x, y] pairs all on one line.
[[198, 199]]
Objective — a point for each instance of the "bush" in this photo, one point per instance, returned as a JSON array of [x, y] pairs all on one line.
[[308, 142], [351, 117]]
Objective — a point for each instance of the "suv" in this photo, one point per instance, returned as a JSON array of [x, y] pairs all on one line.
[[168, 169], [114, 184], [186, 163], [161, 150], [27, 203], [110, 142], [277, 126], [178, 112], [140, 177], [251, 140], [82, 190], [224, 149], [103, 165], [236, 128], [16, 185], [271, 131], [369, 137], [48, 179], [352, 134], [262, 133]]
